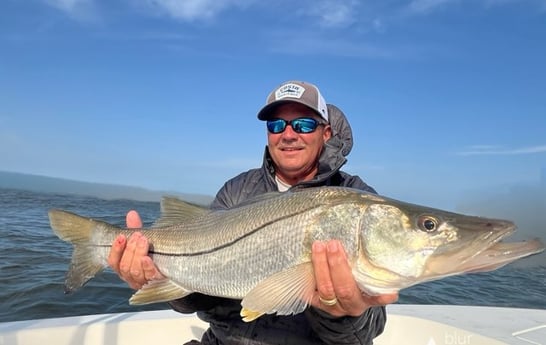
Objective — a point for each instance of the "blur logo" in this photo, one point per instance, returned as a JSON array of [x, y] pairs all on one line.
[[452, 338]]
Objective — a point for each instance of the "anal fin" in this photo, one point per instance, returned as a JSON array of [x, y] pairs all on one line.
[[158, 291]]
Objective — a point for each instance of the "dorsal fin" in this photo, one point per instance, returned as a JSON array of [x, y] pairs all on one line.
[[176, 211]]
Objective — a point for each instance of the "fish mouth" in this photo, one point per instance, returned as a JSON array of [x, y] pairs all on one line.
[[502, 253], [482, 253]]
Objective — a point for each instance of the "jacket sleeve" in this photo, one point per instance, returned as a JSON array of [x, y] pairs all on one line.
[[353, 181], [238, 189], [347, 330], [224, 197], [194, 302]]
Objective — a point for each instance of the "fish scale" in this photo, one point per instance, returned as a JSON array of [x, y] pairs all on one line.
[[216, 229], [270, 249]]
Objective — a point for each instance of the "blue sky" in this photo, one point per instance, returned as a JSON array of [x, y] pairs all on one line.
[[444, 96]]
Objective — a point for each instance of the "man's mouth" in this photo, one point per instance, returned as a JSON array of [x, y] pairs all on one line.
[[291, 148]]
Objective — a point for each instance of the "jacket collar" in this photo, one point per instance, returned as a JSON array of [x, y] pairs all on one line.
[[330, 162]]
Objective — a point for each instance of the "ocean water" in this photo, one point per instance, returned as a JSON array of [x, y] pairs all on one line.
[[33, 263]]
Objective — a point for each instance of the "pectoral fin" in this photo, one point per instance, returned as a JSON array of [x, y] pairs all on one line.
[[287, 292], [158, 291]]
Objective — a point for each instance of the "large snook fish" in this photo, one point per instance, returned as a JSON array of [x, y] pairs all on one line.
[[260, 250]]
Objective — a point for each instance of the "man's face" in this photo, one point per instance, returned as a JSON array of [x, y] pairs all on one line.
[[296, 154]]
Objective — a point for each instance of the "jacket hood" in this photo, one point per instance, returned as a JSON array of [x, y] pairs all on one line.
[[339, 145]]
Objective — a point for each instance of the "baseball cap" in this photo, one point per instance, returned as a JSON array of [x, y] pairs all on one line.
[[295, 91]]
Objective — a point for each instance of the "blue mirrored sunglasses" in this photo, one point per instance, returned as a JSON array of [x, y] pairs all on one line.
[[299, 125]]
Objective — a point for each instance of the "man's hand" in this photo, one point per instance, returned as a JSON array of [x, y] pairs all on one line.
[[129, 257], [337, 291]]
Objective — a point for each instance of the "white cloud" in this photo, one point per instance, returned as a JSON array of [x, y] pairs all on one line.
[[83, 10], [196, 9], [329, 13], [495, 150], [68, 5], [188, 10], [334, 13], [425, 6]]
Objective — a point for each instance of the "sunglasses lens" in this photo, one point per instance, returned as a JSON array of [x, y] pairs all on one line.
[[301, 125], [304, 125], [276, 126]]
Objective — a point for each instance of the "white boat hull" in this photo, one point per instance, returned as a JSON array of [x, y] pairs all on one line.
[[407, 324]]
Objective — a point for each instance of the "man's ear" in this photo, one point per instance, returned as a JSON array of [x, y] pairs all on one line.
[[327, 133]]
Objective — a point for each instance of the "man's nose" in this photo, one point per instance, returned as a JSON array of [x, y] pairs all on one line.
[[289, 133]]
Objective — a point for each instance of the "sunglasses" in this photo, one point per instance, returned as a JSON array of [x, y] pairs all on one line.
[[299, 125]]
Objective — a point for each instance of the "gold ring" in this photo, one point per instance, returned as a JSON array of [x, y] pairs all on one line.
[[328, 302]]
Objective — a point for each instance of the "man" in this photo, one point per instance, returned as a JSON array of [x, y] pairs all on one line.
[[307, 144]]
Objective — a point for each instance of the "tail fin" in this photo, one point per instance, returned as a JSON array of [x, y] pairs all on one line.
[[78, 230]]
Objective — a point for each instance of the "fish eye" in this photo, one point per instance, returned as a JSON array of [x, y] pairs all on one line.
[[428, 223]]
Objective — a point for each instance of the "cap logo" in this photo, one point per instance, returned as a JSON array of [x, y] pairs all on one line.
[[289, 90]]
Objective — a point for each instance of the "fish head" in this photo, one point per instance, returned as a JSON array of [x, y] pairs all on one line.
[[405, 244]]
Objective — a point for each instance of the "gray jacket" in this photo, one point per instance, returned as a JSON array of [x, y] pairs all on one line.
[[312, 326]]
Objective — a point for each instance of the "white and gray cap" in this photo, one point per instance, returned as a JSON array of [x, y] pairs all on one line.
[[295, 91]]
